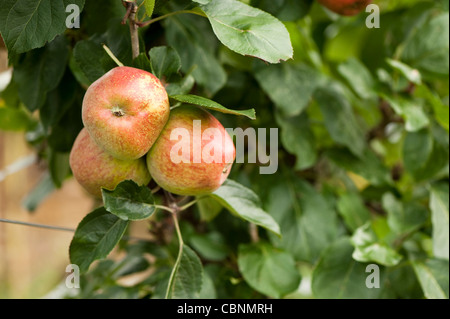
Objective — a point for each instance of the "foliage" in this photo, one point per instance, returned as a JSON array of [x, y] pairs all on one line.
[[363, 159]]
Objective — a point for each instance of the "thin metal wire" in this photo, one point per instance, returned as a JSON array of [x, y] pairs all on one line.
[[72, 230], [17, 222]]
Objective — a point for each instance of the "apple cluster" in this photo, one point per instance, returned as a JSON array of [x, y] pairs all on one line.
[[127, 135]]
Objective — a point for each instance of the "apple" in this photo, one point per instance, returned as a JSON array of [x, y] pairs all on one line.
[[94, 168], [124, 111], [193, 155], [345, 7]]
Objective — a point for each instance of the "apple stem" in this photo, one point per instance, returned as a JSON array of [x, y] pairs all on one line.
[[186, 206], [112, 56]]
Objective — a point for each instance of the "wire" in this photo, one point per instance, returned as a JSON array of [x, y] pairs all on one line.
[[72, 230], [4, 220]]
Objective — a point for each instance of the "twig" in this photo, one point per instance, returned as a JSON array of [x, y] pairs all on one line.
[[131, 16], [127, 14], [253, 230], [146, 23]]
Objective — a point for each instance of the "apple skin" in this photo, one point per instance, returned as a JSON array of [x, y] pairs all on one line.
[[345, 7], [93, 168], [124, 111], [192, 178]]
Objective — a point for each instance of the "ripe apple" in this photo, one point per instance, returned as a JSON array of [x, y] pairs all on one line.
[[93, 168], [124, 111], [193, 155], [345, 7]]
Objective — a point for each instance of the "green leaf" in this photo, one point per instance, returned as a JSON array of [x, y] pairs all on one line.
[[209, 104], [352, 209], [208, 290], [340, 120], [403, 218], [142, 62], [368, 166], [441, 109], [210, 246], [164, 61], [368, 248], [44, 188], [298, 139], [187, 276], [439, 205], [30, 24], [338, 276], [433, 276], [88, 56], [307, 220], [285, 10], [96, 236], [424, 153], [208, 208], [358, 77], [190, 37], [182, 87], [411, 110], [411, 74], [269, 270], [60, 100], [401, 283], [428, 48], [59, 167], [245, 204], [149, 7], [289, 86], [129, 201], [40, 71], [130, 264], [248, 31]]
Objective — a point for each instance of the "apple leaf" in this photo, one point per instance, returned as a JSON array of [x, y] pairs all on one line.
[[247, 30], [338, 276], [352, 209], [289, 86], [44, 188], [40, 72], [149, 7], [269, 270], [340, 120], [129, 201], [30, 24], [209, 104], [244, 203], [369, 248], [87, 56], [413, 75], [192, 38], [439, 204], [96, 236], [433, 277], [411, 110], [187, 276], [164, 61]]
